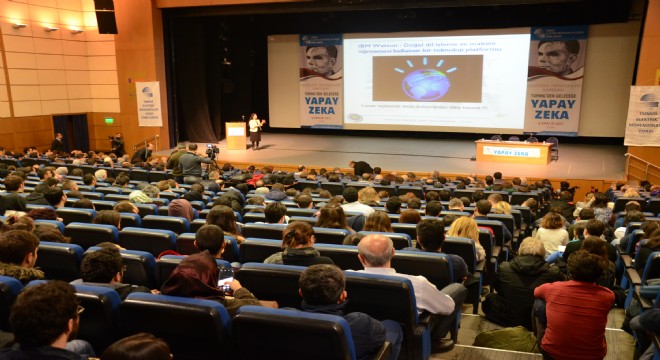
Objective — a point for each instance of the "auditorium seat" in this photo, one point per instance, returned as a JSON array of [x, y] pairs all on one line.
[[154, 241], [169, 195], [111, 190], [196, 224], [300, 212], [52, 223], [156, 176], [466, 249], [206, 324], [620, 203], [139, 175], [308, 219], [147, 209], [517, 198], [37, 206], [104, 204], [140, 267], [93, 195], [344, 256], [176, 224], [257, 249], [167, 263], [254, 217], [87, 235], [498, 230], [402, 228], [459, 193], [130, 220], [399, 240], [503, 194], [435, 267], [417, 190], [391, 189], [59, 261], [638, 283], [327, 337], [264, 231], [654, 206], [9, 289], [70, 215], [300, 185], [330, 236], [99, 323], [335, 188]]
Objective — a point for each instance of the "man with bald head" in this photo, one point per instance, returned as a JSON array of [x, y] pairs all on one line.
[[375, 254]]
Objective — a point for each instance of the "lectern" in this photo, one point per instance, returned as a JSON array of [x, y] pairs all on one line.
[[235, 135]]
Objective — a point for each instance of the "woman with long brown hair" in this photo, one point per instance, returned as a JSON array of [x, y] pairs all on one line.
[[332, 216], [298, 244], [378, 221]]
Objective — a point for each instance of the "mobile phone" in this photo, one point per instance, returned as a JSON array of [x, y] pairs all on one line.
[[223, 284], [209, 146]]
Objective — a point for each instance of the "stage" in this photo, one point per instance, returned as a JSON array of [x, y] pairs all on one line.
[[588, 162]]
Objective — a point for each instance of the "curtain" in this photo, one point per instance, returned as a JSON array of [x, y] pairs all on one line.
[[80, 132]]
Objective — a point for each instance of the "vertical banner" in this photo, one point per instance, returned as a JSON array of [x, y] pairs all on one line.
[[554, 80], [643, 124], [321, 81], [148, 103]]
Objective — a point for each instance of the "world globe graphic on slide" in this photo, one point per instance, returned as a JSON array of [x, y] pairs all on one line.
[[426, 85]]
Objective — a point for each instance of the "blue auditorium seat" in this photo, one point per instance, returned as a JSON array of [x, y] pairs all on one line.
[[400, 240], [59, 261], [154, 241], [140, 267], [99, 323], [87, 235], [9, 289], [178, 225], [70, 215]]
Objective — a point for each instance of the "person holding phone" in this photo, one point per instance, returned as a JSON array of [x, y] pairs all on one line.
[[255, 130]]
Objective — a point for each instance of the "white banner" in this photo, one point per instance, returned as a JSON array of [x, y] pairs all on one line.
[[643, 125], [148, 103], [512, 151]]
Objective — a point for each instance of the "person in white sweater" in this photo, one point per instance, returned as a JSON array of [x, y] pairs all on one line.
[[552, 232]]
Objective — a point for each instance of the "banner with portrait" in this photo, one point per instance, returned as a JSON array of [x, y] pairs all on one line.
[[643, 124], [554, 80], [321, 81]]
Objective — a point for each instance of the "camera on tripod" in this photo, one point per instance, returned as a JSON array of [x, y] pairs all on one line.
[[212, 151]]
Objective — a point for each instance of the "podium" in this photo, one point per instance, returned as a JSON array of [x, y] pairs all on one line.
[[235, 135], [516, 152]]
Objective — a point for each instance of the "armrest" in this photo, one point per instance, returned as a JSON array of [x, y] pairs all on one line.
[[495, 251], [627, 260], [644, 303], [480, 266], [633, 276], [384, 352]]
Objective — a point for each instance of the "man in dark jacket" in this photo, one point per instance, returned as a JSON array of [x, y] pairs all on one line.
[[361, 167], [143, 154], [14, 201], [58, 145], [173, 163], [514, 284], [565, 203], [322, 289], [190, 165], [18, 254]]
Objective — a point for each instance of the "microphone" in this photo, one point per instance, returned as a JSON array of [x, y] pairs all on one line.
[[243, 117]]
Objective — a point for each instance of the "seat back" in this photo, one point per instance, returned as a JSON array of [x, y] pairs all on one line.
[[99, 323], [272, 282], [463, 247], [300, 212], [327, 337], [140, 267], [176, 224], [399, 240], [130, 220], [506, 219], [52, 223], [104, 204], [70, 215], [497, 227], [254, 217], [409, 229], [417, 190], [87, 235], [344, 256], [206, 324], [258, 250], [330, 236], [334, 187], [9, 289], [139, 175], [147, 209], [264, 231], [620, 203], [302, 184], [167, 263], [435, 267], [517, 198], [459, 193], [59, 261], [652, 268], [154, 241]]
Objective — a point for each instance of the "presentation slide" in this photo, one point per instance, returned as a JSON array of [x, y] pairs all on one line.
[[439, 81]]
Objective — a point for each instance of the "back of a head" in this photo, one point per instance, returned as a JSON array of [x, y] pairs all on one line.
[[274, 212], [54, 195], [151, 191], [595, 245], [532, 246], [88, 179], [376, 250], [124, 206], [484, 207], [332, 216], [634, 216], [297, 234], [101, 266], [192, 147], [139, 346], [595, 227], [181, 208], [393, 205], [583, 266], [41, 313], [13, 183], [552, 221], [223, 216], [303, 201], [108, 217], [431, 234], [433, 208], [211, 238], [322, 284], [350, 194], [494, 198], [465, 227], [586, 214], [15, 245], [410, 216], [455, 203]]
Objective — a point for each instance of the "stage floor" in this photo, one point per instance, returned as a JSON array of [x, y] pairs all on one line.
[[595, 162]]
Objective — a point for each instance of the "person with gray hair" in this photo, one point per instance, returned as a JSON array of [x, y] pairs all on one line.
[[101, 175], [375, 252], [151, 191], [514, 283]]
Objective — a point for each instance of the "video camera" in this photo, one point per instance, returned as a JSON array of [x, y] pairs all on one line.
[[212, 151]]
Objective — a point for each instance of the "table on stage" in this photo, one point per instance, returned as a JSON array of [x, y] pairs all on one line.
[[516, 152]]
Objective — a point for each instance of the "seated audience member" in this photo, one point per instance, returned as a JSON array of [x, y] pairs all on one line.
[[352, 203], [211, 238], [138, 346], [414, 203], [151, 191], [368, 196], [83, 204], [332, 216], [197, 277], [181, 208], [51, 234], [304, 201], [375, 254], [108, 217], [631, 216], [572, 315], [126, 206], [224, 217], [466, 227], [353, 239], [455, 204], [651, 245], [595, 228], [378, 221], [298, 244], [322, 288], [583, 216], [410, 216], [18, 254], [502, 207], [89, 180], [514, 283], [481, 211], [393, 205], [433, 208], [601, 209], [448, 220], [104, 268], [596, 246], [630, 206], [275, 213], [552, 232], [43, 318], [276, 193], [565, 203], [139, 197], [13, 200], [100, 175], [55, 197]]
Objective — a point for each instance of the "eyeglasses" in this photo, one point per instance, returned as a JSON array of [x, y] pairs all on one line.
[[80, 310]]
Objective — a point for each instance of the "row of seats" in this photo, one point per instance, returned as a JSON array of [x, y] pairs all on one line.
[[209, 332]]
